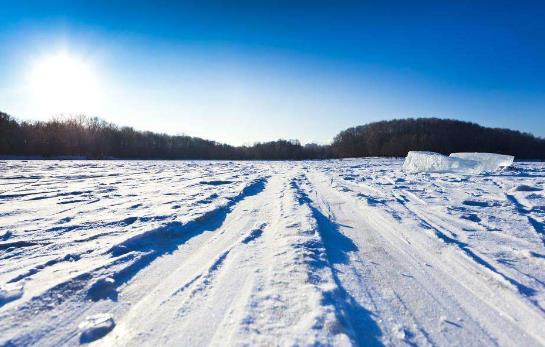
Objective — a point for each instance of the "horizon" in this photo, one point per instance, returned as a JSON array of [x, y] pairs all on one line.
[[245, 73], [65, 117]]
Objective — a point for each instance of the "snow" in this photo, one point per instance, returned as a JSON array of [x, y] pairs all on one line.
[[102, 288], [348, 252], [95, 327], [10, 291]]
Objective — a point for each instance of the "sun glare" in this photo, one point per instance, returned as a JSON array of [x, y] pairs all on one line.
[[63, 83]]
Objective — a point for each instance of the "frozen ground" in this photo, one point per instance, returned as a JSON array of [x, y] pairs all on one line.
[[352, 252]]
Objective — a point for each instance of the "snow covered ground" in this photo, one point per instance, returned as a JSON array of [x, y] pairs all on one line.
[[352, 252]]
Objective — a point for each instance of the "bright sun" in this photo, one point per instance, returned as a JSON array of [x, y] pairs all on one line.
[[62, 83]]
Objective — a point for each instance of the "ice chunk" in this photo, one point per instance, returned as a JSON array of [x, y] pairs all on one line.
[[95, 327], [487, 161], [417, 161], [468, 163]]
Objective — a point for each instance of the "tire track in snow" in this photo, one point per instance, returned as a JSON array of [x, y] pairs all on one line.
[[296, 300], [359, 275], [429, 220], [193, 287], [488, 309], [361, 322], [141, 251], [168, 239], [305, 261]]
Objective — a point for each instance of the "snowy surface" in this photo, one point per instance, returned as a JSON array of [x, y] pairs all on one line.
[[95, 327], [352, 252]]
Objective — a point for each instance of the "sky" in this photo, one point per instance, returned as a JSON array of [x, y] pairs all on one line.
[[245, 71]]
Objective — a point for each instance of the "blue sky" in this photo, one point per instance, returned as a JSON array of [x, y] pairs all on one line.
[[240, 72]]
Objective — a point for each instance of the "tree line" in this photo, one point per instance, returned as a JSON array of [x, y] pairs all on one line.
[[93, 138], [397, 137]]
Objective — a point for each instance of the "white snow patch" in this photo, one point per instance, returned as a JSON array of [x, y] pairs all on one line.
[[95, 327], [10, 292], [399, 332], [102, 288]]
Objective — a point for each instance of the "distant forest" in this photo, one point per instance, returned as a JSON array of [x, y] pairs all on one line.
[[397, 137], [93, 138]]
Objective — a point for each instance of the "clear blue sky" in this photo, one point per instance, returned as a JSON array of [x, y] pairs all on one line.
[[247, 71]]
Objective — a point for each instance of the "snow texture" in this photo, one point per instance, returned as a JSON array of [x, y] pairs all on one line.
[[10, 291], [342, 253], [95, 327]]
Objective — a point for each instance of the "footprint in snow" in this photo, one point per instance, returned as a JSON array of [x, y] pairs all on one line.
[[6, 235], [103, 288], [527, 188], [254, 234], [215, 182], [471, 217], [128, 221], [477, 203]]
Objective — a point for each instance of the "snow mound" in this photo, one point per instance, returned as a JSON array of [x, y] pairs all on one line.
[[10, 292], [102, 288], [417, 161], [95, 327], [487, 161], [466, 163]]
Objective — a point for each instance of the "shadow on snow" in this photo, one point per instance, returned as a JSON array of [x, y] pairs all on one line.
[[365, 330], [167, 239]]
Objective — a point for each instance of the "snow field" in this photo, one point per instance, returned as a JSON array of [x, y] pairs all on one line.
[[351, 252]]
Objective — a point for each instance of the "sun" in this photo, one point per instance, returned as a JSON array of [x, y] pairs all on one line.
[[64, 83]]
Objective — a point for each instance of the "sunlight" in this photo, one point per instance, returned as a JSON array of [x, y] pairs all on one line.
[[64, 83]]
